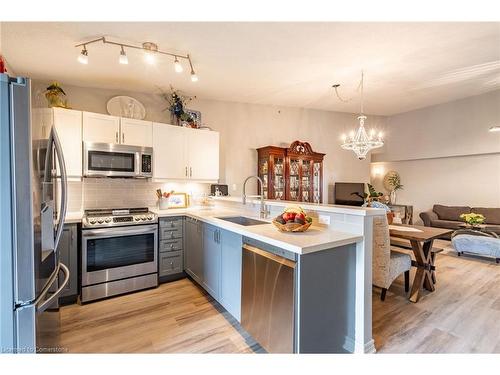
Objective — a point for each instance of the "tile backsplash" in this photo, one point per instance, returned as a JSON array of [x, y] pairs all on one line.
[[122, 192]]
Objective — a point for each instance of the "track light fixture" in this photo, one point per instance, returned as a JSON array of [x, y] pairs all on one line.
[[151, 52], [194, 77], [123, 57], [83, 57], [177, 65]]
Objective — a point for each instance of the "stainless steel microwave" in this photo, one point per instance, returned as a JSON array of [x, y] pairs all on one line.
[[112, 160]]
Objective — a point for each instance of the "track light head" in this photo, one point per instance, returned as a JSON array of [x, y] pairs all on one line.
[[194, 77], [150, 49], [83, 57], [149, 57], [177, 66], [123, 59]]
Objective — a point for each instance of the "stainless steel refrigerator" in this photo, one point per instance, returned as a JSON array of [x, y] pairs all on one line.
[[33, 201]]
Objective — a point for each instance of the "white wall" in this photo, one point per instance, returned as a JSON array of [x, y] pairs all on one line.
[[458, 181], [9, 68], [444, 154], [451, 129], [245, 127]]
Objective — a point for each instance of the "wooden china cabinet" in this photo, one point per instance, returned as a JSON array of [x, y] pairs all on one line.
[[294, 173]]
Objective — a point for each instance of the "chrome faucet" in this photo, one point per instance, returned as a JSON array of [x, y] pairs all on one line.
[[263, 210]]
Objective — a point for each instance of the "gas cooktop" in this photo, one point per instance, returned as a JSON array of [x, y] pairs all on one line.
[[97, 218]]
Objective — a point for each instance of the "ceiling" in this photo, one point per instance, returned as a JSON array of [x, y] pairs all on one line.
[[407, 65]]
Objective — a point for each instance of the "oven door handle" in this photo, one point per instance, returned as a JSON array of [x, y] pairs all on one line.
[[102, 232]]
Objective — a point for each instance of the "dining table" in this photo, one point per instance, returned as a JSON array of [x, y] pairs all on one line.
[[421, 240]]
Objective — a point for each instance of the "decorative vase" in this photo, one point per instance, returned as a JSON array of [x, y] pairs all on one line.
[[54, 100], [393, 197]]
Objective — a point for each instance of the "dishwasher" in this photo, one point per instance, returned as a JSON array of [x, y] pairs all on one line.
[[267, 295]]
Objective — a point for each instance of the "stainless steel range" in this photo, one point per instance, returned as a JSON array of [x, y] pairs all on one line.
[[119, 252]]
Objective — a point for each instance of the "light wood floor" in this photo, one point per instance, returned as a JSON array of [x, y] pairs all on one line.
[[463, 315], [177, 317]]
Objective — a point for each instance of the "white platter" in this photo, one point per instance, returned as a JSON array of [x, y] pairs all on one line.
[[126, 106]]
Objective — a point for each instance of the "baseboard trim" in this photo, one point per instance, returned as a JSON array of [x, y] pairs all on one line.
[[351, 346]]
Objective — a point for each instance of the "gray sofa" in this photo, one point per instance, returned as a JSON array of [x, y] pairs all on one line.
[[448, 217]]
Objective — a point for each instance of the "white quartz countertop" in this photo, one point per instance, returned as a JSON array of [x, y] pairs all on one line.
[[73, 218], [314, 239], [351, 210]]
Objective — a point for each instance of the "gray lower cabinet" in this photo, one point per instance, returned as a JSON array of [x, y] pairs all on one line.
[[211, 260], [170, 263], [193, 253], [170, 247], [68, 252], [230, 272]]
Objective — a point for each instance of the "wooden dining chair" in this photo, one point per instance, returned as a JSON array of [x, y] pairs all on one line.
[[387, 264]]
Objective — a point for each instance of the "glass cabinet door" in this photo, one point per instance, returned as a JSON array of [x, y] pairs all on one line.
[[306, 180], [294, 180], [263, 174], [279, 178], [316, 182]]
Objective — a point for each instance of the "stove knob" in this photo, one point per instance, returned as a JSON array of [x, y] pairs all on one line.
[[137, 218], [143, 217], [92, 221], [100, 221], [150, 217], [107, 220]]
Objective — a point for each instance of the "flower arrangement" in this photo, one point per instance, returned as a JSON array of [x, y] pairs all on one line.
[[473, 219], [177, 106]]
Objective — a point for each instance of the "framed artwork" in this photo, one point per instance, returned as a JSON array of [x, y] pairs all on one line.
[[178, 200]]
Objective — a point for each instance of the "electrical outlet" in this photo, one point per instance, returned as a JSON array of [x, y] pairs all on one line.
[[234, 187], [324, 219]]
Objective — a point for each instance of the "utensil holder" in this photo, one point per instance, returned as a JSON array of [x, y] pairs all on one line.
[[163, 203]]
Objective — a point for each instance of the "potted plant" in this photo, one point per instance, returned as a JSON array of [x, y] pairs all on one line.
[[54, 94], [394, 181], [473, 220], [373, 199]]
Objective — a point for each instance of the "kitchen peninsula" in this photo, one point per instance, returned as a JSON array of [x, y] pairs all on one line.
[[333, 284]]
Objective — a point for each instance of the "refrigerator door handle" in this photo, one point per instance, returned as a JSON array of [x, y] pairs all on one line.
[[41, 307], [64, 186]]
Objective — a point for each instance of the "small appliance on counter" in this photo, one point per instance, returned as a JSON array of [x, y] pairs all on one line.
[[119, 252], [218, 190]]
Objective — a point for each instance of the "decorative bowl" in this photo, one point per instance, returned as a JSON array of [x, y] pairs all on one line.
[[291, 227]]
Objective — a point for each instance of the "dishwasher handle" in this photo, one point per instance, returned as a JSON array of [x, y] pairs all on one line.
[[276, 258]]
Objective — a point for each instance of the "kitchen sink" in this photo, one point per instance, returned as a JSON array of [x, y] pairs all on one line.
[[242, 220]]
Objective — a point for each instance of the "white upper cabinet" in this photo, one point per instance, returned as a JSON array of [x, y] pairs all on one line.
[[68, 124], [183, 153], [169, 152], [119, 130], [136, 132], [101, 128], [203, 154]]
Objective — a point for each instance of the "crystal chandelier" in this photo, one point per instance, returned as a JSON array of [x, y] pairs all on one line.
[[360, 142]]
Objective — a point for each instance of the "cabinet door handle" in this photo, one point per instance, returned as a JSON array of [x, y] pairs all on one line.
[[116, 137], [186, 171], [190, 172], [123, 137]]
